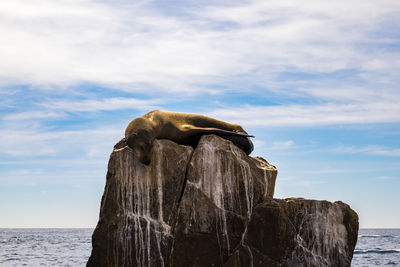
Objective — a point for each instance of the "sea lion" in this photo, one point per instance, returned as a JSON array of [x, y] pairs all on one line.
[[182, 128]]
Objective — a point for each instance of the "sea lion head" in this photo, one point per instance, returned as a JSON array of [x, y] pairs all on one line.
[[141, 147], [140, 136]]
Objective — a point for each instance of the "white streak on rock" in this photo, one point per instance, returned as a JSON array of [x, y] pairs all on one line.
[[137, 200]]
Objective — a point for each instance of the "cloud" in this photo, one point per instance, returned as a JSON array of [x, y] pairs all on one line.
[[299, 181], [88, 41], [373, 150], [282, 144], [28, 115], [384, 152], [383, 178], [339, 93], [335, 171], [25, 172], [139, 46], [31, 142], [103, 105], [311, 115], [54, 109], [254, 12]]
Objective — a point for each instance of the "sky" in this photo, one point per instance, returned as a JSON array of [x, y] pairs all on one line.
[[316, 82]]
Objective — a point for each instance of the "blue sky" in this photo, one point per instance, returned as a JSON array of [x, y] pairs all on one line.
[[316, 82]]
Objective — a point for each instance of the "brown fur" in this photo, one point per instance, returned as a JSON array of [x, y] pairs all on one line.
[[182, 128]]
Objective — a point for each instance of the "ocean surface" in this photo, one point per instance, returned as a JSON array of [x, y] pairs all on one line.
[[72, 247], [377, 247], [45, 247]]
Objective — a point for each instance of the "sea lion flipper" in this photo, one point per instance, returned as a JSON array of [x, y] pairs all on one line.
[[203, 130], [240, 139]]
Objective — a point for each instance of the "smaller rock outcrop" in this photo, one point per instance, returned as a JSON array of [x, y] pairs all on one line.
[[212, 206], [298, 232]]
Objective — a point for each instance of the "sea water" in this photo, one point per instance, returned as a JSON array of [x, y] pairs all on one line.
[[72, 247], [45, 247], [377, 247]]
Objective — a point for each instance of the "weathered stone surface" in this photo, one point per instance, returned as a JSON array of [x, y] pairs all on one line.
[[223, 186], [298, 232], [212, 207], [139, 206]]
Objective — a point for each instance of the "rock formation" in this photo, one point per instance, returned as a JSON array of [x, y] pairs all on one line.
[[212, 206]]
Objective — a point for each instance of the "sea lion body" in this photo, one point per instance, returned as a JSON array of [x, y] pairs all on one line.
[[182, 128]]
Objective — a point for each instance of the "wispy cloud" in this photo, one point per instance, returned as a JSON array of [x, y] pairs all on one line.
[[103, 105], [281, 145], [384, 178], [373, 150], [30, 142], [299, 181], [306, 115], [28, 115]]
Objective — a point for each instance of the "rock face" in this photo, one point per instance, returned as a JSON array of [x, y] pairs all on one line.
[[212, 206], [298, 232]]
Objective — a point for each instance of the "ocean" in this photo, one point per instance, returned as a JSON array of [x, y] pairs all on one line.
[[72, 247], [45, 247], [377, 247]]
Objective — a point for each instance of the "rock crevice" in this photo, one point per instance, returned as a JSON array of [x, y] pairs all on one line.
[[212, 206]]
